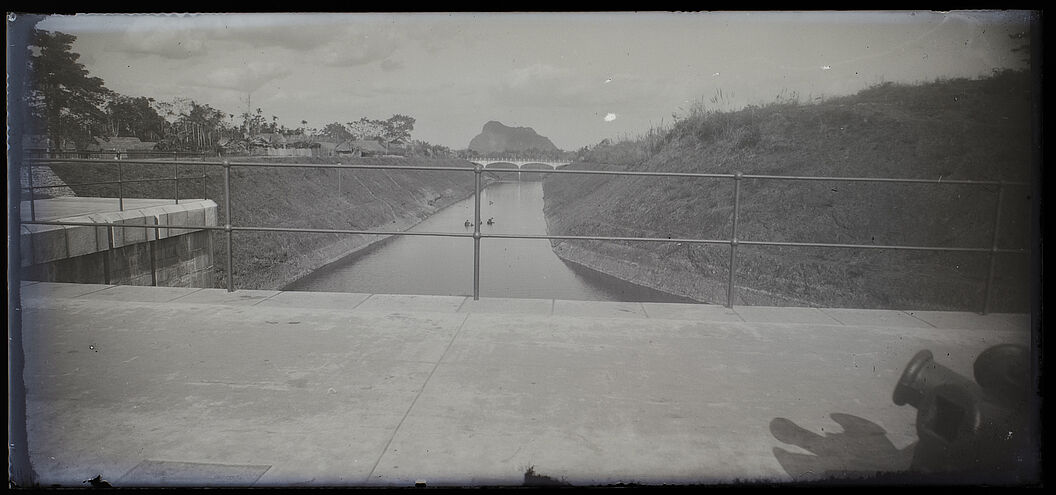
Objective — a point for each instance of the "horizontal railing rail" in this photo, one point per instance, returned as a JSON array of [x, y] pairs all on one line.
[[733, 241], [120, 182]]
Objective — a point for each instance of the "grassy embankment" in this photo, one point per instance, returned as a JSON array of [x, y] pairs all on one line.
[[381, 200], [956, 129]]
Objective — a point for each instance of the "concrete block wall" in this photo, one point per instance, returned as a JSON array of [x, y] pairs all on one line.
[[125, 256]]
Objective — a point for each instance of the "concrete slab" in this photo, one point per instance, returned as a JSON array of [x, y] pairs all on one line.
[[104, 238], [174, 215], [676, 311], [210, 214], [411, 303], [390, 397], [54, 290], [83, 240], [132, 235], [130, 293], [47, 243], [151, 473], [64, 207], [502, 305], [318, 392], [339, 301], [875, 317], [25, 246], [958, 320], [222, 296], [771, 314], [600, 309]]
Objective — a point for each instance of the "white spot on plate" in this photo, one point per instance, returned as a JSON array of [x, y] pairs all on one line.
[[610, 117]]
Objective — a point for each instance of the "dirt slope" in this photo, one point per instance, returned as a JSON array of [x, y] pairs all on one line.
[[382, 200], [958, 129]]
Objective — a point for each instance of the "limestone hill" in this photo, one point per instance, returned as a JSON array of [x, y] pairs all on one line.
[[496, 137]]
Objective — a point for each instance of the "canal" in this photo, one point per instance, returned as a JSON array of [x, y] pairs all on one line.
[[518, 268]]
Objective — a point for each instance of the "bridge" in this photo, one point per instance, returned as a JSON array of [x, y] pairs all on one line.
[[174, 386], [520, 163], [201, 386]]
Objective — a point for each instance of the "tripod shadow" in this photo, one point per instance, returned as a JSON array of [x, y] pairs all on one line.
[[860, 452]]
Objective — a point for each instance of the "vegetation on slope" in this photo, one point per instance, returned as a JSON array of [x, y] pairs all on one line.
[[379, 200], [954, 129]]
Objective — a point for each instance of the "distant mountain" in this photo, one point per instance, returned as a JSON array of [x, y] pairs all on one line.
[[498, 138]]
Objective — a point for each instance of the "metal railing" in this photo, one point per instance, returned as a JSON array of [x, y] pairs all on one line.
[[478, 170], [130, 157]]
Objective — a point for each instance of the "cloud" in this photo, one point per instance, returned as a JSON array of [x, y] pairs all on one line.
[[358, 47], [544, 85], [293, 32], [163, 43], [182, 36], [248, 78]]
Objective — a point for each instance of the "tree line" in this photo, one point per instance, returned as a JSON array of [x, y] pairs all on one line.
[[72, 108]]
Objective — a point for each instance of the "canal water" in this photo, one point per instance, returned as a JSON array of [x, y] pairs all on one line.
[[519, 268]]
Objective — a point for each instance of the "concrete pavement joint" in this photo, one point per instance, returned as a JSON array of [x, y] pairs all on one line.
[[425, 383], [830, 315], [266, 298], [94, 291], [185, 295], [359, 303], [926, 322]]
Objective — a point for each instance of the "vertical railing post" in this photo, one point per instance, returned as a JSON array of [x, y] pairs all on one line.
[[106, 255], [32, 194], [733, 238], [120, 189], [154, 255], [227, 225], [176, 182], [477, 171], [993, 248]]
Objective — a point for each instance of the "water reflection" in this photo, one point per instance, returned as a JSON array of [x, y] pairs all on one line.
[[521, 268]]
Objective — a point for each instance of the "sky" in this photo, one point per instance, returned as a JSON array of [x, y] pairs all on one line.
[[576, 78]]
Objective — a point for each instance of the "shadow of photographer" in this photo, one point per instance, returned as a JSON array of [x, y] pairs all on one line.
[[861, 451], [967, 430]]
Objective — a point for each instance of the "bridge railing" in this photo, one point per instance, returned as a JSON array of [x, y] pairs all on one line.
[[42, 156], [733, 241]]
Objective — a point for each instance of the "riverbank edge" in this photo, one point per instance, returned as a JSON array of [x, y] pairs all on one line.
[[607, 266], [714, 290], [357, 251], [595, 273]]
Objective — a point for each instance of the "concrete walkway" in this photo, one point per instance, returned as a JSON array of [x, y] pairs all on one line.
[[55, 209], [181, 386]]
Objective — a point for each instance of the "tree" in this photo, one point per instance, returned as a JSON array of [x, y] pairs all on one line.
[[365, 128], [194, 126], [336, 132], [128, 116], [252, 124], [398, 129], [62, 97]]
